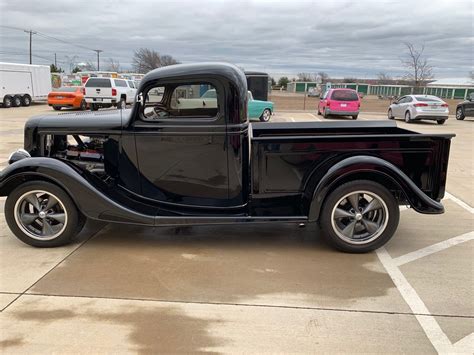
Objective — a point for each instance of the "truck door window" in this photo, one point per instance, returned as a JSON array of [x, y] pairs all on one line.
[[199, 100]]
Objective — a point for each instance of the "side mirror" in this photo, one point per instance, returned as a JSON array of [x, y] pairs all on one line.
[[395, 102]]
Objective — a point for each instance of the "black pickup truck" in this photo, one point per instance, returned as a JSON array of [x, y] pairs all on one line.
[[179, 157]]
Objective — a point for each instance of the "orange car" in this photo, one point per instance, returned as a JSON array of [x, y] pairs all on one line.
[[67, 96]]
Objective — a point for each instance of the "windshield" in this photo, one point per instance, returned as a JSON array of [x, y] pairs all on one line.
[[209, 94], [344, 95]]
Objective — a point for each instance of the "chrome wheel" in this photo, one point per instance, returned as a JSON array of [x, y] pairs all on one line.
[[40, 215], [359, 217], [266, 115]]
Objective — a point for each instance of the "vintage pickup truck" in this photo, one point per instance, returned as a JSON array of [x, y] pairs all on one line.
[[167, 162]]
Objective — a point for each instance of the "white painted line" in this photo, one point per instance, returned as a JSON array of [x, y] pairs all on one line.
[[401, 260], [428, 323], [459, 202], [466, 343], [292, 119], [314, 116]]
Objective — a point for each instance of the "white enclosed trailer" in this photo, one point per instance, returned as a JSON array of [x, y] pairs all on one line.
[[20, 84]]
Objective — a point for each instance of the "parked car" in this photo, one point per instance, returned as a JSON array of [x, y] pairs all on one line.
[[67, 96], [257, 109], [156, 165], [108, 92], [465, 108], [22, 84], [419, 107], [340, 102], [313, 92]]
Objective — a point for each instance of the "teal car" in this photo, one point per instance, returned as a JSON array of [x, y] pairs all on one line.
[[257, 109]]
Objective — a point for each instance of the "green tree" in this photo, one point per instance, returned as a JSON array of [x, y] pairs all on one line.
[[55, 69], [76, 70], [283, 81], [273, 82]]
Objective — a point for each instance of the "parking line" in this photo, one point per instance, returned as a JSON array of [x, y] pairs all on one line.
[[314, 116], [401, 260], [428, 323], [459, 202]]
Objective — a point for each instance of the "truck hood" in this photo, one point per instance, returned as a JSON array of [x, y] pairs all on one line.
[[110, 121]]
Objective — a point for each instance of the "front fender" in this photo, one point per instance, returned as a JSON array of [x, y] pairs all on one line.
[[91, 201], [359, 165]]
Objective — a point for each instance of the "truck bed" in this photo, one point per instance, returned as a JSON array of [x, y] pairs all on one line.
[[286, 157]]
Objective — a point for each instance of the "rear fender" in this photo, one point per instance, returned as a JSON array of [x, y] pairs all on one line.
[[91, 201], [359, 167]]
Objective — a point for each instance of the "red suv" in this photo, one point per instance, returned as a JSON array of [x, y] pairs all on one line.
[[341, 102]]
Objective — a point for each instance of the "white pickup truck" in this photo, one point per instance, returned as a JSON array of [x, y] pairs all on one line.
[[108, 92]]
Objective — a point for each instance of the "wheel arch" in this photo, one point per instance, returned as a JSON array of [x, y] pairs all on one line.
[[372, 169]]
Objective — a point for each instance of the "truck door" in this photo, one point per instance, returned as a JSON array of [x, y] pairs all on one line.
[[181, 145]]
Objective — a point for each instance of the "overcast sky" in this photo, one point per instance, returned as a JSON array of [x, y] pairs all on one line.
[[343, 38]]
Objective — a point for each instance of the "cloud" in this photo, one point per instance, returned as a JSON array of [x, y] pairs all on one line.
[[344, 38]]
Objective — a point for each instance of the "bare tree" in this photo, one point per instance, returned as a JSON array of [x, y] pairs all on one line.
[[145, 59], [349, 80], [113, 65], [418, 66], [306, 77], [384, 78], [324, 77]]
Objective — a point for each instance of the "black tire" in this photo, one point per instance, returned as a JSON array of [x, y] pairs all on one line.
[[460, 114], [441, 121], [319, 112], [83, 105], [408, 117], [266, 115], [388, 214], [390, 114], [16, 101], [26, 100], [325, 113], [7, 101], [122, 104], [94, 107], [66, 232], [355, 117], [57, 108]]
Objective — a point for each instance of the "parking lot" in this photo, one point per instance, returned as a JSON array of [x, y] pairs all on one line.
[[246, 289]]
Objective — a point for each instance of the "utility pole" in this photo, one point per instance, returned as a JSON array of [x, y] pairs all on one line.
[[31, 32], [55, 62], [98, 55]]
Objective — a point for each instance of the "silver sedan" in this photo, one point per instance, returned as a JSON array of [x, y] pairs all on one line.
[[419, 107]]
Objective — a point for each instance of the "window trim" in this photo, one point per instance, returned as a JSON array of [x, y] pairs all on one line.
[[220, 93]]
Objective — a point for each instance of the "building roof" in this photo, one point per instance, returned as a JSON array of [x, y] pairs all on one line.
[[452, 82]]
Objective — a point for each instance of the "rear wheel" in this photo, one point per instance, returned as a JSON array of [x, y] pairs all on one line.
[[122, 104], [26, 100], [83, 105], [355, 117], [390, 114], [441, 121], [16, 101], [359, 216], [408, 117], [266, 115], [57, 108], [459, 114], [7, 101], [94, 107], [325, 113], [42, 215]]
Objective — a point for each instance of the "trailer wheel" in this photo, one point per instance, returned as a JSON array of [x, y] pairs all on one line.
[[359, 216], [16, 101], [7, 101], [26, 100], [42, 214]]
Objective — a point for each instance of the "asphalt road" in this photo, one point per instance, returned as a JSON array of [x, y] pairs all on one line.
[[246, 289]]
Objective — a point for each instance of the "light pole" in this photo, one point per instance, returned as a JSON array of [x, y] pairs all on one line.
[[98, 51]]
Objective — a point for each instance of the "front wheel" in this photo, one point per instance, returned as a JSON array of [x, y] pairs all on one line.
[[325, 113], [57, 108], [440, 121], [355, 117], [390, 114], [266, 115], [7, 101], [122, 104], [42, 214], [459, 114], [359, 216]]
